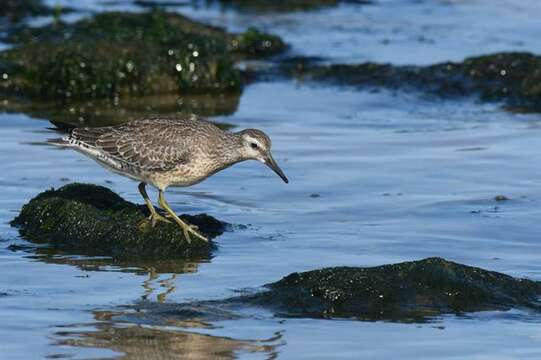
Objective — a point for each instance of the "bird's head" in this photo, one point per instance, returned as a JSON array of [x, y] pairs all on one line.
[[256, 145]]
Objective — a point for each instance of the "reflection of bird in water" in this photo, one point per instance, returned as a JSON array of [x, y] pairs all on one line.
[[159, 342], [168, 284], [167, 152]]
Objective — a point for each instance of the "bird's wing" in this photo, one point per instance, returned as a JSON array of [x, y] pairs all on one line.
[[146, 145]]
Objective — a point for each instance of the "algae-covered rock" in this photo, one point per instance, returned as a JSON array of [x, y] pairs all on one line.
[[116, 54], [16, 10], [405, 290], [255, 44], [412, 291], [285, 5], [514, 78], [13, 13], [93, 220]]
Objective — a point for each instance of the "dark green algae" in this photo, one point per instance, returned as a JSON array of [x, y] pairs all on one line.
[[262, 6], [92, 220], [17, 10], [407, 291], [513, 78], [115, 54]]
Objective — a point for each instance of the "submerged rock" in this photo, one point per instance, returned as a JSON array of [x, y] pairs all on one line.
[[256, 44], [514, 78], [93, 220], [404, 291], [413, 291], [16, 10], [115, 54], [285, 5]]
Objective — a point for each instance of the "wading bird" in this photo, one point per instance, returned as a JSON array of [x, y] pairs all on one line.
[[166, 151]]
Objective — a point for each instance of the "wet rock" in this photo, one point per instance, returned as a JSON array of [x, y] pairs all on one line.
[[412, 291], [408, 290], [116, 54], [255, 44], [501, 198], [16, 10], [513, 78], [90, 219], [285, 5], [14, 13], [161, 3]]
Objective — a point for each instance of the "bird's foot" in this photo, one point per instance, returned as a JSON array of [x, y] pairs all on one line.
[[188, 229], [156, 218], [152, 221]]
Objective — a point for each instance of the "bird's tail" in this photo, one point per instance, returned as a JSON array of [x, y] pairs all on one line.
[[62, 142], [63, 128]]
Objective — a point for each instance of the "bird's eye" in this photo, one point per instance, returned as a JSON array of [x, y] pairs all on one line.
[[253, 145]]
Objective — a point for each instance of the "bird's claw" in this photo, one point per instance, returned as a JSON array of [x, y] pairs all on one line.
[[155, 218], [152, 220], [192, 229]]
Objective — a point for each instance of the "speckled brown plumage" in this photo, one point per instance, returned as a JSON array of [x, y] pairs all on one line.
[[161, 151]]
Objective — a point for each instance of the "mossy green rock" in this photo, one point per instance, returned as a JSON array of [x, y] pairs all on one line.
[[16, 10], [90, 219], [285, 5], [256, 44], [408, 290], [514, 78], [116, 54]]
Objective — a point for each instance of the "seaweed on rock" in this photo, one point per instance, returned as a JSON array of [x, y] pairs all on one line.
[[513, 78], [116, 54], [93, 220], [413, 289]]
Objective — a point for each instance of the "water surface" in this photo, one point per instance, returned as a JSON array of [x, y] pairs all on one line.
[[376, 177]]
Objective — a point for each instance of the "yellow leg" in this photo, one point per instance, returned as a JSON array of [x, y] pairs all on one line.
[[186, 228], [154, 216]]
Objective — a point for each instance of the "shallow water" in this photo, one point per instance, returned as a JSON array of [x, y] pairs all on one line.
[[376, 177]]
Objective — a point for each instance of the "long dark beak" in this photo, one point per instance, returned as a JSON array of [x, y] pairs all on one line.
[[269, 161]]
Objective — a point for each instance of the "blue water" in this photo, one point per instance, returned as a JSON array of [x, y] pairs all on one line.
[[397, 177]]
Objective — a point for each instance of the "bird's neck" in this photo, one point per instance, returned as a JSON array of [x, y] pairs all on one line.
[[230, 150]]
